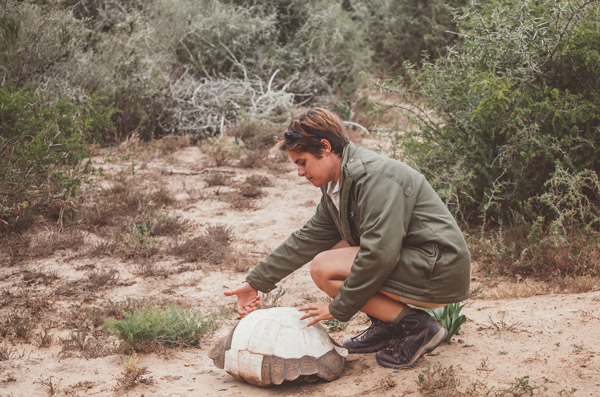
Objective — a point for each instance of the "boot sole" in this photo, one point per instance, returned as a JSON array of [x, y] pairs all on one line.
[[437, 339], [368, 349]]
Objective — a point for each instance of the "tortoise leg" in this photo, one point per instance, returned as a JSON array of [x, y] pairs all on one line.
[[217, 353]]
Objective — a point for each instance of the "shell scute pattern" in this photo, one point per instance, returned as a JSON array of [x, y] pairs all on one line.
[[273, 345]]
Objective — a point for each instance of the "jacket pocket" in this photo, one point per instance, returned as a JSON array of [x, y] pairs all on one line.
[[416, 266]]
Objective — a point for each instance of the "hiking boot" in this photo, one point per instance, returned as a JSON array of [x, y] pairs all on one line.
[[414, 336], [371, 339]]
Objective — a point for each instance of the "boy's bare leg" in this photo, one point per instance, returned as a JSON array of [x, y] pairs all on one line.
[[329, 269]]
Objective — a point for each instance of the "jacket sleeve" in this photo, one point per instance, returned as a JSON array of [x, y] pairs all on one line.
[[385, 207], [317, 235]]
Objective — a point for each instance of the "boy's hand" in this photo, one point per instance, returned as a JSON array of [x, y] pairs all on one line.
[[318, 312], [247, 298]]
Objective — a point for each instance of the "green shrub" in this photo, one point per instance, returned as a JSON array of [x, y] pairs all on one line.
[[183, 67], [507, 119], [170, 325], [407, 30], [511, 107], [450, 317], [256, 133], [43, 154]]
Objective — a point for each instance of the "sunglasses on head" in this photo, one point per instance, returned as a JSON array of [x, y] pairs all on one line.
[[292, 135]]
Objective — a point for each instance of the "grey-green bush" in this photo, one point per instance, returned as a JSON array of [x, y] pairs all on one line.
[[506, 113], [407, 30], [170, 325], [43, 158], [183, 67]]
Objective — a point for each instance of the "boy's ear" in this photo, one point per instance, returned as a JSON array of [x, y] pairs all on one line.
[[326, 146]]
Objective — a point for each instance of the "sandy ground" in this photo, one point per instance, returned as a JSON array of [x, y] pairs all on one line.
[[543, 344]]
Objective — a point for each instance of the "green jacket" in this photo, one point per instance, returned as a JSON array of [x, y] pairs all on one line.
[[410, 245]]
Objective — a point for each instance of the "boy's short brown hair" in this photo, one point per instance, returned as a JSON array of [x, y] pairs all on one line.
[[308, 128]]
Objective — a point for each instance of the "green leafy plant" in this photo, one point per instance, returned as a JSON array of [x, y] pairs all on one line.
[[169, 325], [520, 387], [407, 30], [43, 159], [335, 325], [513, 109], [450, 317]]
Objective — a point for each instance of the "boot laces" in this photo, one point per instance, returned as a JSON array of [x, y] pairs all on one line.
[[374, 326]]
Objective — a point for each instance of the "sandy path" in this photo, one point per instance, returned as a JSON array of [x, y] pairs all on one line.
[[546, 342]]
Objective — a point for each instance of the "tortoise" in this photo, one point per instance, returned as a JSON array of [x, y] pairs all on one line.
[[270, 346]]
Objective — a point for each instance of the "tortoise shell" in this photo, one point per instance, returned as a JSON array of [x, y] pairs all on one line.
[[270, 346]]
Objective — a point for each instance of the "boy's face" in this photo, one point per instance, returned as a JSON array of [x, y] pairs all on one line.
[[318, 171]]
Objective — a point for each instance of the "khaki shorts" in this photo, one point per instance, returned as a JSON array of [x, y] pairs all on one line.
[[424, 305]]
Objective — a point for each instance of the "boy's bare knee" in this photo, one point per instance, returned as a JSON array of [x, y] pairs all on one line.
[[318, 269]]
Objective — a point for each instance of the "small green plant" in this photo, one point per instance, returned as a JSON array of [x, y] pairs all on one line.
[[520, 387], [138, 242], [335, 325], [132, 373], [170, 325], [438, 381], [565, 392], [220, 151], [450, 317], [44, 158]]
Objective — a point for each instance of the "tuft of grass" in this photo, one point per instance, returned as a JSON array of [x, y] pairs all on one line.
[[162, 224], [137, 242], [212, 245], [171, 143], [259, 180], [256, 134], [149, 269], [51, 386], [88, 345], [132, 374], [160, 198], [11, 352], [520, 387], [44, 337], [438, 381], [39, 277], [253, 159], [49, 244], [241, 263], [102, 248], [221, 151], [251, 191], [502, 324], [100, 279], [170, 325], [216, 178], [18, 324], [450, 317]]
